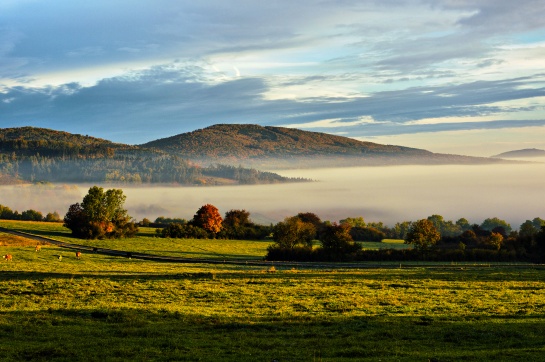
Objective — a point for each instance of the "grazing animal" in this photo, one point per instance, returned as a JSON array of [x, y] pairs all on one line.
[[38, 247], [78, 254], [8, 257], [60, 257]]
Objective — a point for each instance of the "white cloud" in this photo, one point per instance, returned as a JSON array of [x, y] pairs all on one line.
[[332, 123]]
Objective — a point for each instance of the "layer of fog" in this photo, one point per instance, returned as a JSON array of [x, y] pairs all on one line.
[[389, 194]]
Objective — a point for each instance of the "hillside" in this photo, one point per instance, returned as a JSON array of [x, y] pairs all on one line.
[[30, 154], [277, 147], [525, 153], [28, 141]]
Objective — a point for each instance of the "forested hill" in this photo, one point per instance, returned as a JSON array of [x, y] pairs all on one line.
[[30, 141], [30, 154], [272, 147], [529, 152]]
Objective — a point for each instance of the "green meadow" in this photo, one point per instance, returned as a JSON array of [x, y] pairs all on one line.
[[117, 309]]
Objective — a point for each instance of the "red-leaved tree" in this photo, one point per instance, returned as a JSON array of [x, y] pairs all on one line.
[[208, 217]]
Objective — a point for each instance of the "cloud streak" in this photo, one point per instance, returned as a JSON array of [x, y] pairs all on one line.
[[168, 95]]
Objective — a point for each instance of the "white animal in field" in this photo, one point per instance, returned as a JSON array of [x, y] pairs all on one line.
[[38, 247], [60, 257]]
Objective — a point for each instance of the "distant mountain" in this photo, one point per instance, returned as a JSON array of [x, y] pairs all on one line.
[[31, 154], [277, 147], [210, 156], [525, 153]]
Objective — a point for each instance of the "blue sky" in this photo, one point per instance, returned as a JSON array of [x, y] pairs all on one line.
[[454, 76]]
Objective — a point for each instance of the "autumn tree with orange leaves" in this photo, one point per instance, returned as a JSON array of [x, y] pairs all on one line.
[[208, 218]]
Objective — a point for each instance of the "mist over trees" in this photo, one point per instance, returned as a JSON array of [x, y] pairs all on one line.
[[35, 155], [28, 215], [423, 235], [305, 237], [208, 223]]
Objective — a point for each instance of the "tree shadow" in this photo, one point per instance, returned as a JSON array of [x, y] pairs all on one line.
[[140, 334]]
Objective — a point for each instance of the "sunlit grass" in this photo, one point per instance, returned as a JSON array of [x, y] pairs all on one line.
[[147, 242], [385, 244], [393, 241], [110, 308]]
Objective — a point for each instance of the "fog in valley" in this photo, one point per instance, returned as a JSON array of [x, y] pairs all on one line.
[[514, 192]]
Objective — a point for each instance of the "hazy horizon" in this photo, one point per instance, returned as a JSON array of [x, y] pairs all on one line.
[[389, 194]]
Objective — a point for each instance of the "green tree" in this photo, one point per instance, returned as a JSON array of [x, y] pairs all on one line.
[[354, 222], [437, 221], [100, 215], [32, 215], [401, 229], [463, 224], [492, 223], [540, 244], [527, 229], [445, 227], [53, 217], [366, 234], [235, 219], [337, 241], [236, 223], [293, 232], [103, 206], [6, 213], [422, 235], [538, 223]]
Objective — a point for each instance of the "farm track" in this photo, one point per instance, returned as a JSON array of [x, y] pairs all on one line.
[[299, 265]]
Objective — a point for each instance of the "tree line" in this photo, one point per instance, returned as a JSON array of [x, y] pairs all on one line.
[[432, 239], [129, 168], [28, 215], [101, 215]]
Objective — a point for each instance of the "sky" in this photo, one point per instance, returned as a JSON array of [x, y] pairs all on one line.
[[451, 76]]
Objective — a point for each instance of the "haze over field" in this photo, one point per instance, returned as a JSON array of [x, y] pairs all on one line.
[[389, 194]]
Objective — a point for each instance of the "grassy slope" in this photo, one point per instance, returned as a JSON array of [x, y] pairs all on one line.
[[105, 308]]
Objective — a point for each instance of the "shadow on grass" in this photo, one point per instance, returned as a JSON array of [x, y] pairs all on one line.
[[260, 274], [141, 334], [205, 254], [46, 233]]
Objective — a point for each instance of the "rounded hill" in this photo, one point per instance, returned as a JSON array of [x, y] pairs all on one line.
[[277, 147], [250, 141]]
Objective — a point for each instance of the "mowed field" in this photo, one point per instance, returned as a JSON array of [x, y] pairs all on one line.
[[117, 309]]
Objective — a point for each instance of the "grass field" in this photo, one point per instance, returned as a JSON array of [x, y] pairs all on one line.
[[116, 309]]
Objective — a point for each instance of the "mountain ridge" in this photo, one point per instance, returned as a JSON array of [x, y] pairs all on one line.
[[522, 153], [278, 147], [212, 155], [29, 154]]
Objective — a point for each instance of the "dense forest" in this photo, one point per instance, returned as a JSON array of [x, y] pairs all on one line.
[[34, 154]]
